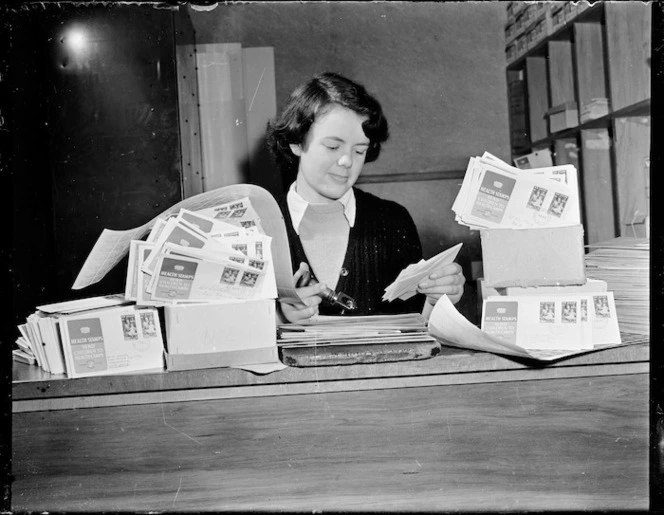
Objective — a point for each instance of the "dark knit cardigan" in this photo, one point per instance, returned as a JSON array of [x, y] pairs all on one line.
[[382, 242]]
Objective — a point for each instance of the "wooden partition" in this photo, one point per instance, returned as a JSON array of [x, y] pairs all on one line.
[[538, 96], [598, 185], [561, 72]]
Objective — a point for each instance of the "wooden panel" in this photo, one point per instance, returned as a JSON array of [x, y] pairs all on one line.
[[597, 185], [222, 114], [538, 96], [260, 107], [589, 53], [561, 72], [628, 35], [518, 114], [32, 383], [190, 128], [632, 148], [566, 152], [527, 445]]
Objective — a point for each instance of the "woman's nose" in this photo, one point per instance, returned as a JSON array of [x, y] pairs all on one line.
[[345, 160]]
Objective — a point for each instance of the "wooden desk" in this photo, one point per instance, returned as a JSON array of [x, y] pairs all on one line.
[[439, 435]]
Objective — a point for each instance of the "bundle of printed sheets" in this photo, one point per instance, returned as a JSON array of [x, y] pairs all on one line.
[[213, 254], [496, 195]]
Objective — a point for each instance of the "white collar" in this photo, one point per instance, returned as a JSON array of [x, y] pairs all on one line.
[[297, 206]]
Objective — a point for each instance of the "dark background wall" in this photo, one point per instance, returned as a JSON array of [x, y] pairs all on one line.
[[93, 134]]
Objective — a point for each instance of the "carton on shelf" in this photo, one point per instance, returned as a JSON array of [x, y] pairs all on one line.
[[212, 335], [563, 116], [551, 256]]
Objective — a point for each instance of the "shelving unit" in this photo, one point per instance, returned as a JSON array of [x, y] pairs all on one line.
[[579, 85]]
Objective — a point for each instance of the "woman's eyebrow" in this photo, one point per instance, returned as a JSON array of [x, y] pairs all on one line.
[[341, 140]]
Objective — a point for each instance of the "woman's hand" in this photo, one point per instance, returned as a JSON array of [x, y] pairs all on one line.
[[307, 306], [448, 280]]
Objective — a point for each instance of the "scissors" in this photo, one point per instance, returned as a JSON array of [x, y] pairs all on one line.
[[328, 294]]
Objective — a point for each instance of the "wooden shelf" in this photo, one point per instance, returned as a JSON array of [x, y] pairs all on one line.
[[592, 14], [602, 53], [639, 109]]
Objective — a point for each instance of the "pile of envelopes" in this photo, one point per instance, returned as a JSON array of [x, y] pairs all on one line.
[[91, 337], [405, 285], [496, 195], [210, 254]]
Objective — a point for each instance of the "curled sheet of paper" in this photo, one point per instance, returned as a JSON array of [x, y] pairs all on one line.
[[112, 246], [450, 326]]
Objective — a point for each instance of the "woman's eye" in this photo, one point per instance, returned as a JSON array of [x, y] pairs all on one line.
[[332, 147], [360, 152]]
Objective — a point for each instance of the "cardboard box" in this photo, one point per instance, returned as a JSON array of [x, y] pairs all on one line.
[[215, 335], [552, 256], [591, 286], [563, 116]]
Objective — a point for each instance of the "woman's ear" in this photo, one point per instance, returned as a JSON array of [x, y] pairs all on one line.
[[295, 149]]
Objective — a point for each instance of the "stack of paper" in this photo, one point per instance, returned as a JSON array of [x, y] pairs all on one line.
[[89, 337], [344, 330], [213, 254], [624, 263], [405, 285], [498, 336], [560, 321], [496, 195]]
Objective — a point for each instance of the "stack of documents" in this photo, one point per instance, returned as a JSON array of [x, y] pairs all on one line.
[[559, 322], [91, 337], [213, 254], [405, 285], [345, 330], [624, 263], [495, 194], [594, 315]]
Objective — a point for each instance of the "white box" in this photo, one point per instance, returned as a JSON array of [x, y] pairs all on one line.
[[591, 286], [552, 256], [212, 335]]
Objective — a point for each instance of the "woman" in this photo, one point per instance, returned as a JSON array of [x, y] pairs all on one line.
[[340, 236]]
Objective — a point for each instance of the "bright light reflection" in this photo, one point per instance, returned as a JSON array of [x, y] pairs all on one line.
[[76, 40]]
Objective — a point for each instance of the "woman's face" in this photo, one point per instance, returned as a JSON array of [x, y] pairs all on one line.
[[332, 155]]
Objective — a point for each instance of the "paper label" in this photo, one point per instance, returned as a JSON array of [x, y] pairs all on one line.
[[87, 345], [500, 320], [175, 279], [493, 196]]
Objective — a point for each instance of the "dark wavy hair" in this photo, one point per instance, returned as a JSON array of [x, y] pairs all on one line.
[[314, 98]]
